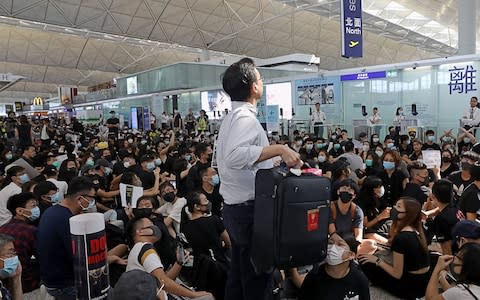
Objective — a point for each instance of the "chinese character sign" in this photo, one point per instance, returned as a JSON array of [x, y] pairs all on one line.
[[351, 21], [462, 80]]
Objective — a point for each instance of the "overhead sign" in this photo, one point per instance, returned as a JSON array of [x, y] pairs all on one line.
[[364, 76], [351, 20]]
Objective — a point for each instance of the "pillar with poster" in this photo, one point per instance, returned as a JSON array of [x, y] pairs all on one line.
[[89, 245]]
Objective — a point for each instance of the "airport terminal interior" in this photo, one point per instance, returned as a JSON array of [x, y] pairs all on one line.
[[239, 149]]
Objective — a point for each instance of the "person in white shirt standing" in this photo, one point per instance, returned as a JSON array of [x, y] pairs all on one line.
[[375, 120], [242, 149], [471, 116], [318, 118]]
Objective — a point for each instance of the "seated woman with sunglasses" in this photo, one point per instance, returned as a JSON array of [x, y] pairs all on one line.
[[462, 270], [408, 274]]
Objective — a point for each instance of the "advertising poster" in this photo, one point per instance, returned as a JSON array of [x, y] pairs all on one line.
[[129, 194], [280, 94], [214, 102], [273, 118], [132, 85], [89, 246], [324, 91]]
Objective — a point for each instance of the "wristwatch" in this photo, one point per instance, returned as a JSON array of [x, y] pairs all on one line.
[[377, 262]]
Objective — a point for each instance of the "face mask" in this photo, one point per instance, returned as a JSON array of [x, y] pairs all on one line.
[[334, 255], [465, 166], [150, 166], [188, 157], [375, 140], [394, 213], [95, 148], [9, 267], [156, 232], [379, 153], [208, 208], [158, 162], [446, 139], [142, 212], [55, 198], [388, 165], [322, 158], [400, 112], [126, 164], [24, 178], [35, 214], [108, 171], [108, 157], [431, 138], [169, 197], [366, 148], [466, 140], [215, 180], [345, 197], [143, 142], [130, 141], [89, 163], [9, 156], [408, 142], [336, 146], [320, 146], [299, 143], [309, 147], [381, 192], [368, 162], [334, 136], [167, 141], [446, 159], [90, 206], [390, 145]]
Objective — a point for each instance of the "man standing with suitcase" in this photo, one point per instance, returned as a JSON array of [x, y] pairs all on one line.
[[242, 149]]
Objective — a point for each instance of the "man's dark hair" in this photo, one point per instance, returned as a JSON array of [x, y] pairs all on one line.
[[152, 200], [443, 191], [238, 78], [404, 137], [349, 146], [13, 171], [19, 200], [475, 98], [471, 264], [79, 185], [43, 188], [127, 177], [27, 147], [416, 165], [429, 132], [200, 149], [349, 183]]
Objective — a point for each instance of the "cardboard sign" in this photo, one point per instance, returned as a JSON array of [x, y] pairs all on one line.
[[432, 158]]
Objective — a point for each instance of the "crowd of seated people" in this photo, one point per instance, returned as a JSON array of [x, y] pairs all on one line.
[[395, 223]]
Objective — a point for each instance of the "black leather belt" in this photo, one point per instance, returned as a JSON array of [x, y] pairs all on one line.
[[246, 203]]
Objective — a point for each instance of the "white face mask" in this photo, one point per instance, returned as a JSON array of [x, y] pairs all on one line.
[[334, 255], [381, 192]]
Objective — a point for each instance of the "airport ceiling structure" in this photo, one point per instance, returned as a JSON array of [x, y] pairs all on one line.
[[86, 42]]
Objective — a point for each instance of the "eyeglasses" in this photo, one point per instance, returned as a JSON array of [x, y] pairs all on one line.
[[261, 78], [89, 197]]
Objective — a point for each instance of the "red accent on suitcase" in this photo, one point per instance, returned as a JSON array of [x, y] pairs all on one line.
[[312, 219]]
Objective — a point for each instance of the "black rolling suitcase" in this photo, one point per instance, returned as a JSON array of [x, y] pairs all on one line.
[[290, 220]]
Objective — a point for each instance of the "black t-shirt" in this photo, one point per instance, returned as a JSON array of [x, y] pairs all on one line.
[[452, 168], [393, 186], [443, 223], [305, 154], [147, 178], [203, 234], [118, 168], [464, 147], [405, 151], [216, 199], [414, 256], [113, 121], [415, 191], [433, 146], [319, 285], [470, 201], [179, 166], [459, 183]]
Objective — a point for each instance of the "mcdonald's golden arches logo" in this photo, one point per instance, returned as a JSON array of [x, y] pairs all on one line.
[[38, 101]]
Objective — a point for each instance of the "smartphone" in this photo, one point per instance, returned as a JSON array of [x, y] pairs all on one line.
[[450, 279], [181, 253]]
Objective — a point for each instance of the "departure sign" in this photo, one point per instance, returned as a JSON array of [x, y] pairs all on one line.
[[351, 20]]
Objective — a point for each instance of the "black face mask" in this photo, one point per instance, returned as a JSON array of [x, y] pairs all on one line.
[[142, 212], [394, 214], [169, 197], [446, 159], [157, 233], [466, 166], [207, 208], [345, 197], [108, 158]]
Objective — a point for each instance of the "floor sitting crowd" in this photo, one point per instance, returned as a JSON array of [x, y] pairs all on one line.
[[390, 214]]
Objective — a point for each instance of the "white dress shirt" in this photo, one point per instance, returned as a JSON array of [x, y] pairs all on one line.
[[375, 118], [318, 117], [471, 116], [241, 140], [5, 193], [44, 135]]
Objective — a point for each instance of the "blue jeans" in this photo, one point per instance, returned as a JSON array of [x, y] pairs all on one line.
[[66, 293], [242, 281]]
